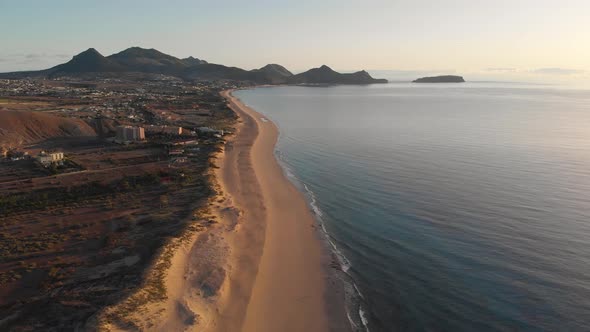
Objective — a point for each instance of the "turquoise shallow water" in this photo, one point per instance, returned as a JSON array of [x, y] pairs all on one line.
[[459, 207]]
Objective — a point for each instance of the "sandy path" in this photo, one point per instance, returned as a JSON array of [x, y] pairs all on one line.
[[277, 281]]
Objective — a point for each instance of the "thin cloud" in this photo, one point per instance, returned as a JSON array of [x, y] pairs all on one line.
[[502, 69], [558, 71], [405, 71], [16, 61], [401, 74], [25, 58], [33, 56]]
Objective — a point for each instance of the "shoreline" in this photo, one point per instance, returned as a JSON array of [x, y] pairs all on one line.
[[262, 264], [287, 293], [319, 258]]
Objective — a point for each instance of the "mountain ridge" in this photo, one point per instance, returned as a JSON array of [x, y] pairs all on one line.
[[326, 75], [151, 61], [88, 61]]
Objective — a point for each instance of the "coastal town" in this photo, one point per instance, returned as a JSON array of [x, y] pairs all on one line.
[[294, 166], [95, 176], [134, 186]]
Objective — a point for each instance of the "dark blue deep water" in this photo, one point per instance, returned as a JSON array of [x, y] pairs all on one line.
[[460, 207]]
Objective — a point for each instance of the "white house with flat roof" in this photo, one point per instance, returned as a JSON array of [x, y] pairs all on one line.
[[47, 159]]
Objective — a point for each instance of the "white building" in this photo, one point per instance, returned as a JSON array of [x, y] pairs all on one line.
[[47, 159], [209, 131]]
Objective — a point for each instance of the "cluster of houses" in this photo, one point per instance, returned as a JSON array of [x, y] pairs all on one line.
[[13, 154], [178, 150], [46, 159], [206, 131]]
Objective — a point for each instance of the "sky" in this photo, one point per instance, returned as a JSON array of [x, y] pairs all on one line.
[[497, 40]]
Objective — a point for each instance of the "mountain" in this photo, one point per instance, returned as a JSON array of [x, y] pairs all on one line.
[[89, 61], [143, 60], [269, 74], [139, 62], [273, 74], [274, 69], [190, 61], [440, 79], [325, 75], [210, 71]]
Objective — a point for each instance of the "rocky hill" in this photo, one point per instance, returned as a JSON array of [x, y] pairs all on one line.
[[23, 127], [191, 61], [325, 75], [142, 60], [273, 73], [88, 61]]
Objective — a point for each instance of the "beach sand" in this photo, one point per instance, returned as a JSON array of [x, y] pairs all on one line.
[[287, 293], [262, 266]]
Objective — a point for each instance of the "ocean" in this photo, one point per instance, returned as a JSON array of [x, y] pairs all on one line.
[[455, 207]]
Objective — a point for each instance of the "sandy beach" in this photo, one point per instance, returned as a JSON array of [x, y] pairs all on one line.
[[287, 293], [262, 265]]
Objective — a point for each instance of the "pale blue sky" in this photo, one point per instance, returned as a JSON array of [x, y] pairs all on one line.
[[495, 39]]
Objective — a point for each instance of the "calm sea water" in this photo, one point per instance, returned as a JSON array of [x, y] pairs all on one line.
[[459, 207]]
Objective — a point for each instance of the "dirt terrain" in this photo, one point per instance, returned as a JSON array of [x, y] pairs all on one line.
[[24, 127], [80, 237]]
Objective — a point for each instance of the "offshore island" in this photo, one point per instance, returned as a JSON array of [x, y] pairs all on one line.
[[440, 79], [138, 194]]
